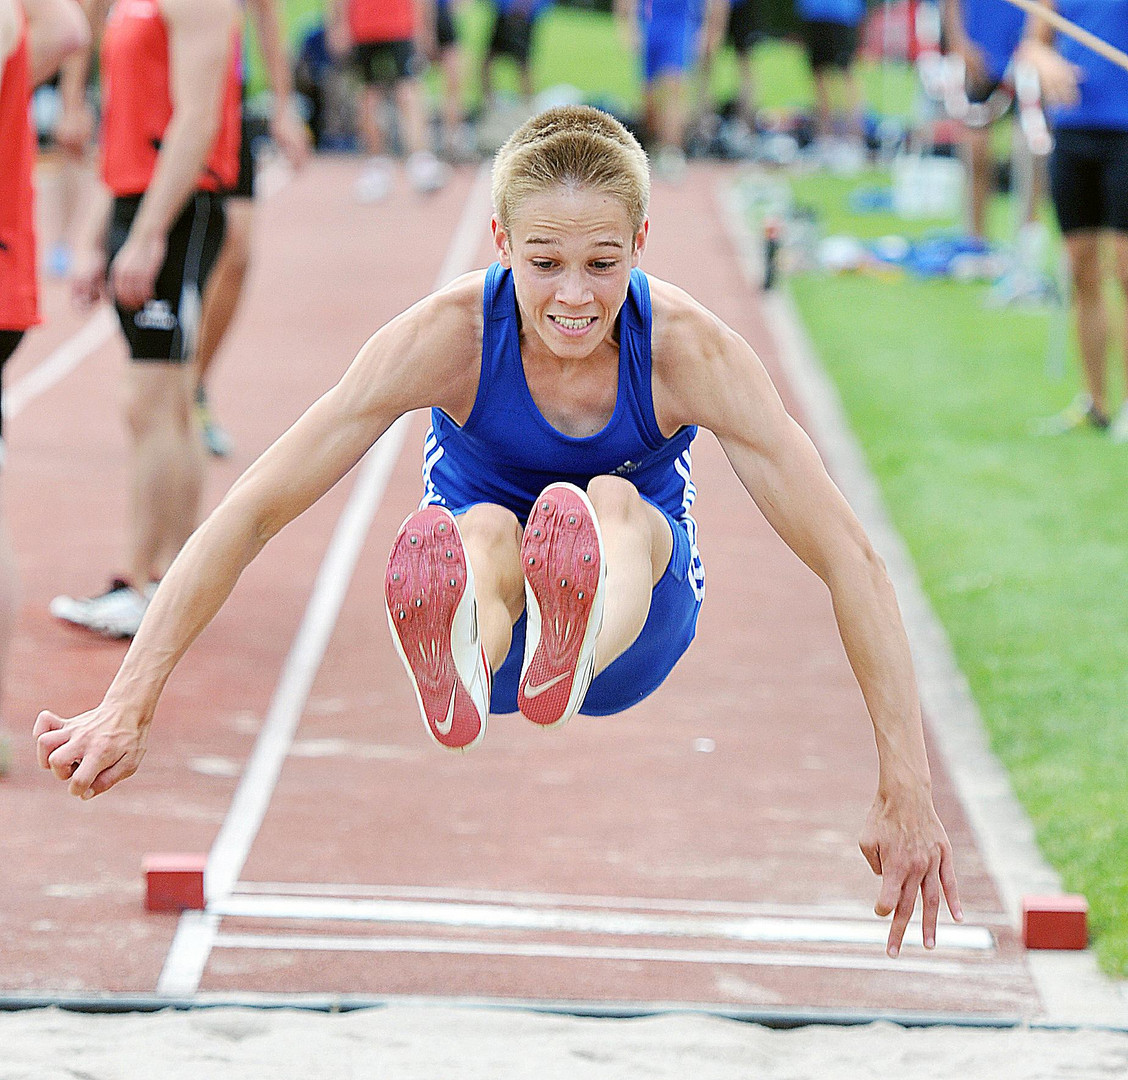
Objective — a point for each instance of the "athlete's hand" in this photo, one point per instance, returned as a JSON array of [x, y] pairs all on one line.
[[75, 129], [906, 845], [92, 752], [133, 273], [88, 276], [290, 135], [1060, 80]]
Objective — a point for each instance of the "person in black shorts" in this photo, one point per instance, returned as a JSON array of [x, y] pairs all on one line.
[[1088, 95], [34, 39], [152, 241], [830, 32], [448, 56], [382, 40], [513, 32]]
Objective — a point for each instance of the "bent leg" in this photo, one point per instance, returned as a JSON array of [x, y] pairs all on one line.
[[637, 545]]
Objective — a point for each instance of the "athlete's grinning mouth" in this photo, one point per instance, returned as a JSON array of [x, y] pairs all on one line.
[[572, 324]]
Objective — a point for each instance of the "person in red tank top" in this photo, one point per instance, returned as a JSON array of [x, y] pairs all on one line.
[[383, 40], [169, 146], [35, 35]]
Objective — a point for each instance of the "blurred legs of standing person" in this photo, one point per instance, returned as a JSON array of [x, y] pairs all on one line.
[[380, 41], [670, 36], [830, 29], [1087, 99], [513, 32], [169, 67], [225, 286], [35, 36], [450, 58]]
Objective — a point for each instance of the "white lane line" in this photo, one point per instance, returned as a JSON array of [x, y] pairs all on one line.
[[548, 920], [59, 363], [188, 954], [545, 950], [842, 910]]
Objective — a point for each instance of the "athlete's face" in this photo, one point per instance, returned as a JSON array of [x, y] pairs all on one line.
[[571, 251]]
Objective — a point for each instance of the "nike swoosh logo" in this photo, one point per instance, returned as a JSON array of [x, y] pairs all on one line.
[[532, 691], [448, 723]]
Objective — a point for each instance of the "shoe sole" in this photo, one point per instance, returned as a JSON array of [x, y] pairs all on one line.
[[562, 560], [429, 598]]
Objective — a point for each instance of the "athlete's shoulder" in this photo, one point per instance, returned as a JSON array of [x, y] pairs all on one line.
[[681, 325]]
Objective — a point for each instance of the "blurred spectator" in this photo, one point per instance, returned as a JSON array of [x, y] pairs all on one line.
[[382, 39], [225, 286], [983, 34], [1088, 95], [513, 36], [830, 31], [671, 37], [35, 36]]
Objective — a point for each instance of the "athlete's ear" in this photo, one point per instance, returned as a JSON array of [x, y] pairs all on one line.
[[640, 241], [501, 243]]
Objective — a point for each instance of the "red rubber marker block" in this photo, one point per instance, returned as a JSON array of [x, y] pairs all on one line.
[[1055, 922], [174, 882]]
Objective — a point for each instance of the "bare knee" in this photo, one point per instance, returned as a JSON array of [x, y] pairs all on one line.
[[491, 527], [156, 398], [620, 508], [617, 501]]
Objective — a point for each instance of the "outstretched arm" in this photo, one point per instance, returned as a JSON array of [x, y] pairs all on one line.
[[422, 357], [726, 389]]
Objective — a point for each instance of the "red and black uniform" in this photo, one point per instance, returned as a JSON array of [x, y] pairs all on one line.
[[137, 109], [19, 297], [383, 33]]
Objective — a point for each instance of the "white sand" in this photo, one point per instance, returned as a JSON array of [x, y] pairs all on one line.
[[436, 1043]]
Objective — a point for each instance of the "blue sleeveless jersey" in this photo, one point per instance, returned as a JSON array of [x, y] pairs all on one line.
[[507, 452]]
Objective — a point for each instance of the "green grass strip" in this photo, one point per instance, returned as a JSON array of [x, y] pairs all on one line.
[[1021, 542]]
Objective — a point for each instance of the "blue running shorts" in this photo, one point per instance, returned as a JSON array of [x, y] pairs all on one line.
[[669, 629]]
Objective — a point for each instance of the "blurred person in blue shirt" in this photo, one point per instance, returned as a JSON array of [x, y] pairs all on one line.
[[984, 35], [671, 37], [513, 32], [830, 32], [1087, 98]]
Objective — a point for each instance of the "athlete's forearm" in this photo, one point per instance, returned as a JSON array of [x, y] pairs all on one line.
[[877, 647], [194, 589], [183, 154]]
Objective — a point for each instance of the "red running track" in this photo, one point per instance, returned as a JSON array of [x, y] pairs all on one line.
[[701, 848]]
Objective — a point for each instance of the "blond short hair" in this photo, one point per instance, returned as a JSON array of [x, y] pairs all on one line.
[[572, 145]]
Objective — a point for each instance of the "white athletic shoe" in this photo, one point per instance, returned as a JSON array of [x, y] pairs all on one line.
[[565, 582], [375, 181], [117, 613], [433, 615], [426, 173], [1118, 429]]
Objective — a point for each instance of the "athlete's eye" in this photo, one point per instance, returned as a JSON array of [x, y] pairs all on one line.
[[603, 264], [542, 264]]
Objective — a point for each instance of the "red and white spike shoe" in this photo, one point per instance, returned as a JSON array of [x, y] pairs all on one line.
[[433, 615], [562, 559]]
